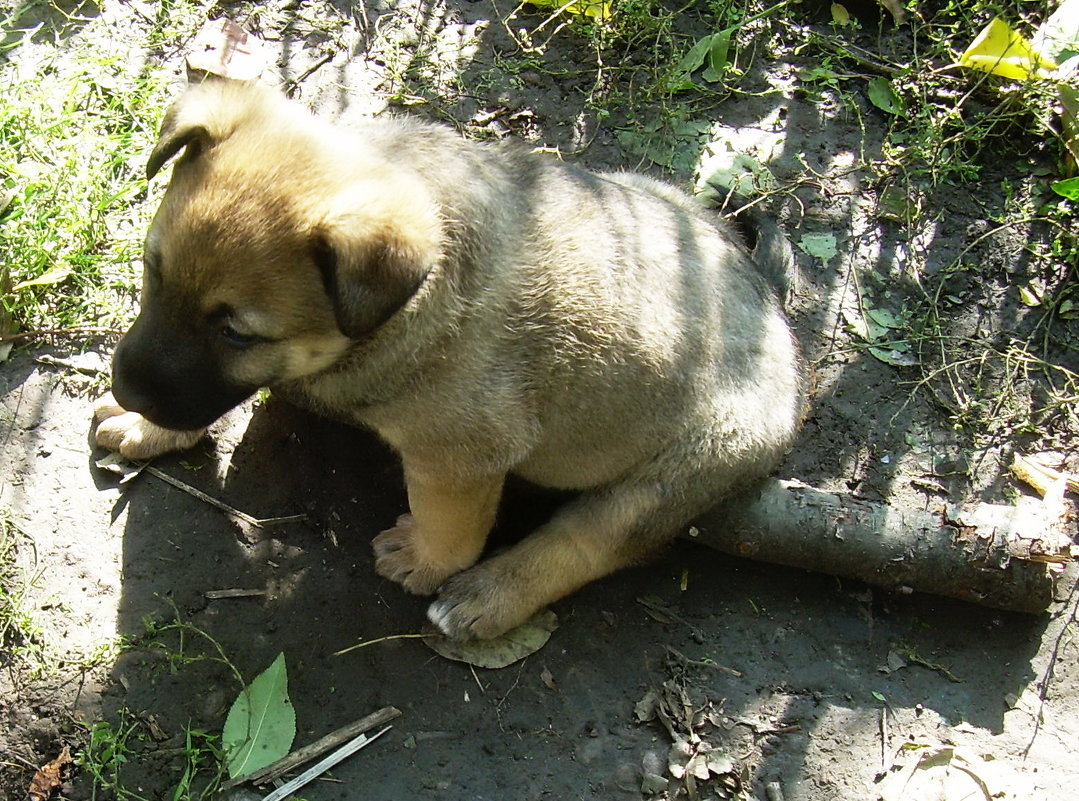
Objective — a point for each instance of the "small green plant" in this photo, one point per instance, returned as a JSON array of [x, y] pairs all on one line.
[[105, 753], [111, 747]]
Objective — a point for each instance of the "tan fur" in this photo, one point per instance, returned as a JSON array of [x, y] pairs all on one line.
[[484, 310]]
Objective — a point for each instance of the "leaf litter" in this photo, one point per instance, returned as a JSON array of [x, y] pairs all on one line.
[[693, 760]]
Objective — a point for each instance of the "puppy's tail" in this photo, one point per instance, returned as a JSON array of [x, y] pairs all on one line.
[[766, 242], [771, 250]]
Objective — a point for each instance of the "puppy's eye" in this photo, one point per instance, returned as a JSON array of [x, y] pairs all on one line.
[[237, 338], [151, 269]]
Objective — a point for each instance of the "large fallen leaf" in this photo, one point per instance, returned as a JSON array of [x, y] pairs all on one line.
[[261, 725], [501, 651], [1001, 50]]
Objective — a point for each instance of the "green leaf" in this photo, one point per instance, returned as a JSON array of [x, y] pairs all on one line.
[[819, 74], [1068, 188], [694, 59], [840, 15], [884, 97], [709, 52], [894, 357], [822, 246], [717, 57], [1028, 297], [261, 725], [879, 697], [1069, 117], [884, 317], [52, 276]]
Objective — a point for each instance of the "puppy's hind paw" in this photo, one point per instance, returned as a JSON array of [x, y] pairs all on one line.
[[477, 604], [133, 436]]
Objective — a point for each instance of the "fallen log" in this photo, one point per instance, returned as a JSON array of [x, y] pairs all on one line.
[[1007, 557]]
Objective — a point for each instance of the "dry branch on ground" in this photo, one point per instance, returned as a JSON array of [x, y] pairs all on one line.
[[1007, 557]]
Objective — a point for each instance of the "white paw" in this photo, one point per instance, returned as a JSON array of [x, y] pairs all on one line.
[[133, 436]]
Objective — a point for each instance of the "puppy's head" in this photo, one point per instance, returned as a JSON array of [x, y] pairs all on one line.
[[278, 243]]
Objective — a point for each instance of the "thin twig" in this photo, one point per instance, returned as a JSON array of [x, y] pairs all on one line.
[[365, 643], [50, 332], [216, 595], [685, 661], [224, 507], [67, 364], [295, 83]]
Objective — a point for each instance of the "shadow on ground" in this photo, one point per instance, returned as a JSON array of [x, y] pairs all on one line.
[[801, 674]]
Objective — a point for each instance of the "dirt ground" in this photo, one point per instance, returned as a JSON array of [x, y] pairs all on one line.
[[799, 679]]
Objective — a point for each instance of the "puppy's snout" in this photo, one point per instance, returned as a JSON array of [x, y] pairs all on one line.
[[170, 377], [139, 377]]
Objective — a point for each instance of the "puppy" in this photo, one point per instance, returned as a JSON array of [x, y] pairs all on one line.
[[485, 310]]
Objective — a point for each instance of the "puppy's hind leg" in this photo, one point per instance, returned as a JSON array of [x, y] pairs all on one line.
[[598, 533]]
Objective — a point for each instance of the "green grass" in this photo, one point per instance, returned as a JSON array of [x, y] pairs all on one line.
[[125, 745], [78, 114], [21, 639]]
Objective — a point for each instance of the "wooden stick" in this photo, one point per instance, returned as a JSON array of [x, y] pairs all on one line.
[[345, 751], [301, 755]]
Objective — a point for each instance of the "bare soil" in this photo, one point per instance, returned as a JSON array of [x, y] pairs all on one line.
[[798, 678]]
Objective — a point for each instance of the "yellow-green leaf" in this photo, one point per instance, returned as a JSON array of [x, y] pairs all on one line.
[[53, 276], [1028, 297], [1001, 50], [840, 15], [1068, 188], [597, 9]]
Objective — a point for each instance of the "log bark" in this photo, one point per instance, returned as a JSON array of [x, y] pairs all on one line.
[[1007, 557]]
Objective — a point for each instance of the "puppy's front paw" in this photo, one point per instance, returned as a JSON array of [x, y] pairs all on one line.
[[399, 557], [133, 436], [479, 603]]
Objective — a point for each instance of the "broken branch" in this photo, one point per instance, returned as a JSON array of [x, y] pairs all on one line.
[[1007, 557]]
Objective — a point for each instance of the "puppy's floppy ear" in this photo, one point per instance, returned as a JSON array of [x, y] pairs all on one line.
[[373, 257], [174, 137], [204, 114]]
